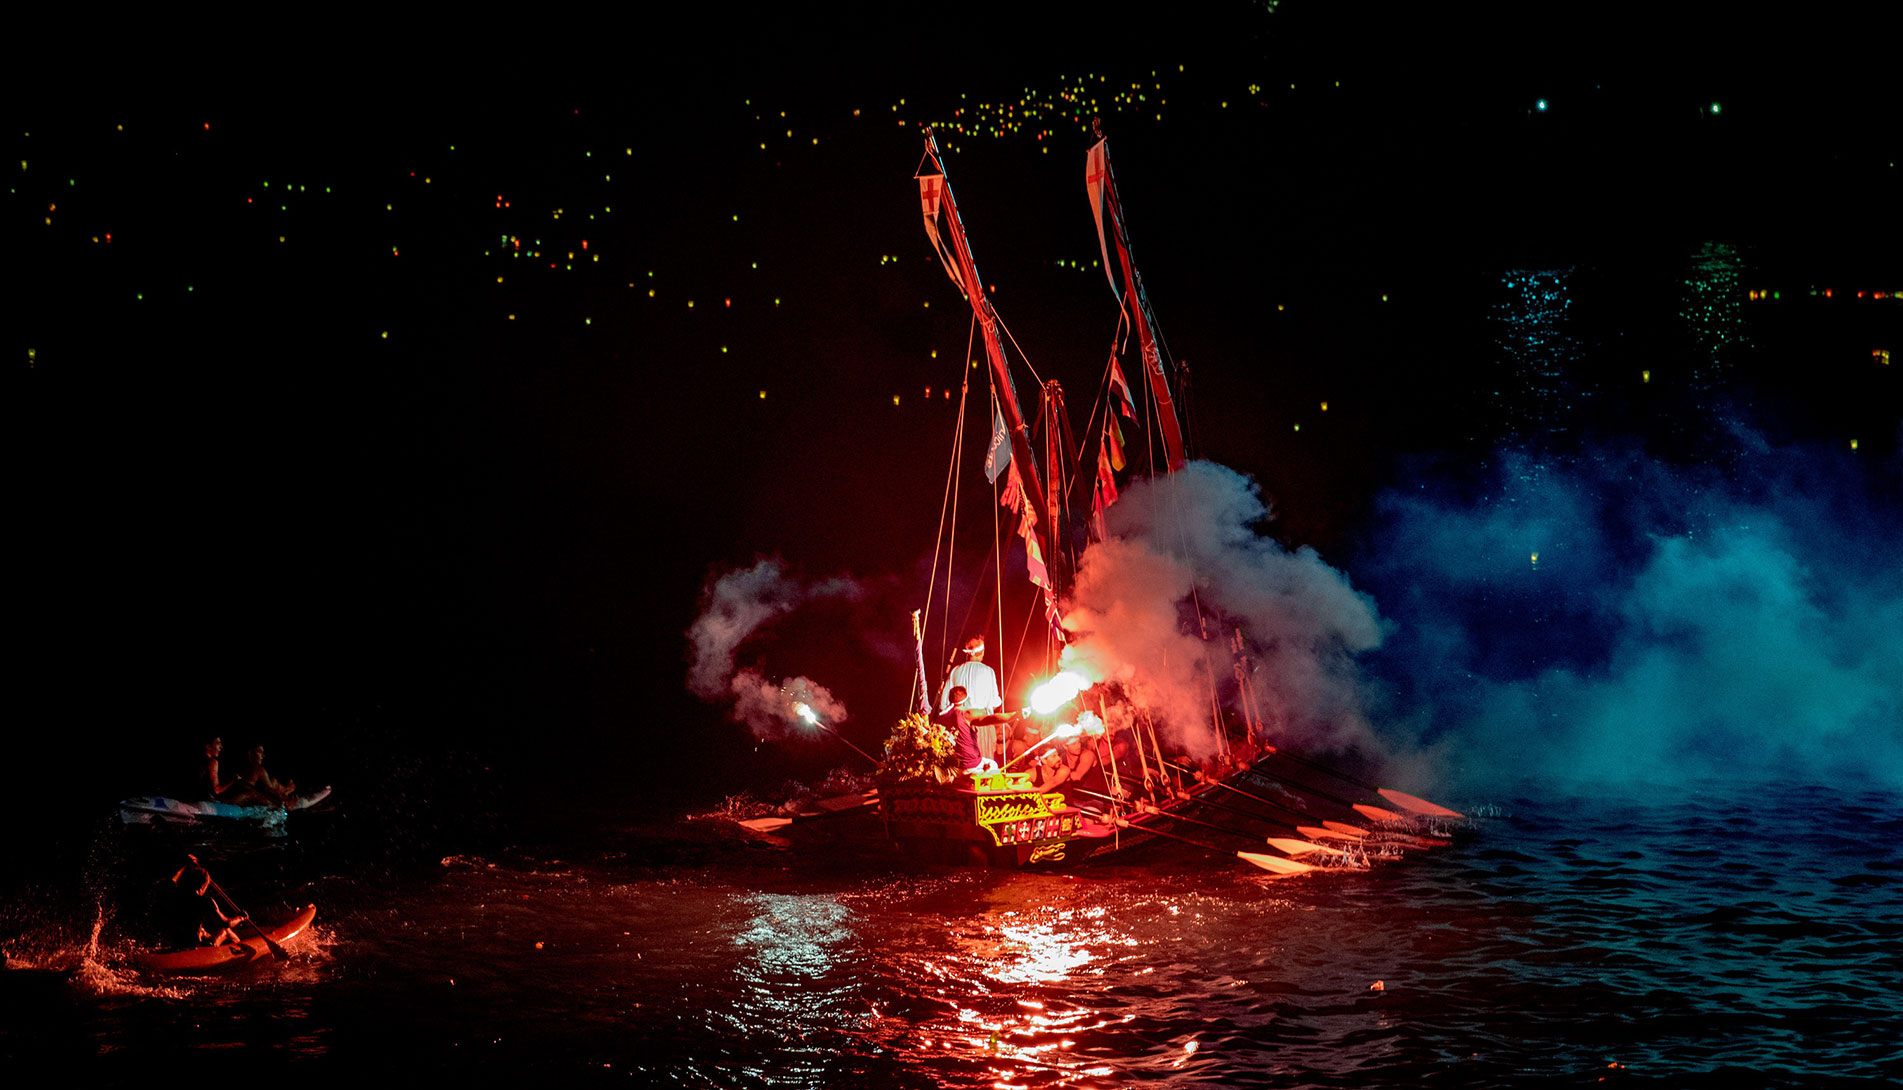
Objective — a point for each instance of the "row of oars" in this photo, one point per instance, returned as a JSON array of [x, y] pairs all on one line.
[[1309, 828]]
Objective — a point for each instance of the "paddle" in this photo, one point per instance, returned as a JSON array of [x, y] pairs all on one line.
[[1402, 799], [1274, 864], [277, 951], [1284, 844]]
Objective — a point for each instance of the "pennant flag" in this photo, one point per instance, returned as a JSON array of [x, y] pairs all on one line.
[[1096, 175], [1013, 497], [1034, 556], [931, 191], [1099, 529], [1113, 441], [1125, 403], [998, 455], [1106, 480]]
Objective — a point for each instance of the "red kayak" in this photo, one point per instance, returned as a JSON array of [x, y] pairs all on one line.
[[231, 955]]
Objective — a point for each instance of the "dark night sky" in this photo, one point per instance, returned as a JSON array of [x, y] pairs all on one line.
[[327, 492]]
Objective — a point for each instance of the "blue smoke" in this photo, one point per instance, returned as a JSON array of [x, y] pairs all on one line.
[[1613, 617]]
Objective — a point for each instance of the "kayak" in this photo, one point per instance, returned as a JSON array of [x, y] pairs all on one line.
[[232, 955], [151, 809]]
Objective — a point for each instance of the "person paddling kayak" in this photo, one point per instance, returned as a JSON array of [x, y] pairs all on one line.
[[197, 917]]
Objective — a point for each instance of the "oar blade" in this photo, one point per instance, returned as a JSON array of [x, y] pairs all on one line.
[[765, 824], [1274, 864], [1419, 806], [1376, 813], [1291, 846], [1343, 829]]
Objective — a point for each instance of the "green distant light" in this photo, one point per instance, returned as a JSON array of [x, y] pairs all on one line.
[[1714, 107]]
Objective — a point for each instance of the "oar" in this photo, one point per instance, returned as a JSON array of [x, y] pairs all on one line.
[[277, 951], [1274, 864], [1284, 807], [775, 824], [1374, 813], [1284, 844], [1405, 801], [1329, 830], [1292, 846]]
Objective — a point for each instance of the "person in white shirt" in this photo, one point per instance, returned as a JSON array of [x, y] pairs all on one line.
[[982, 701]]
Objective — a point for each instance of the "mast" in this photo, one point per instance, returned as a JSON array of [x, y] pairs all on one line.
[[1022, 453], [1098, 174]]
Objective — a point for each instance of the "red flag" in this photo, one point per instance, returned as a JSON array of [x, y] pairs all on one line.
[[1121, 385], [1013, 497], [1106, 480]]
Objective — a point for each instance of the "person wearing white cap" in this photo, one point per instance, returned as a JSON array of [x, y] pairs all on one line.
[[981, 695]]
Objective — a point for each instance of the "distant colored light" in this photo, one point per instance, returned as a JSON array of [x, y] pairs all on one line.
[[762, 395], [1714, 107], [1645, 376], [1540, 105], [895, 399]]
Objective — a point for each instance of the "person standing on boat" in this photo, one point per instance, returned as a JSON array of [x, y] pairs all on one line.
[[981, 700], [964, 739]]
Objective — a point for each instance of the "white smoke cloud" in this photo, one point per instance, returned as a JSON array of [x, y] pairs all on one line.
[[771, 709], [1678, 625], [735, 606], [1189, 545]]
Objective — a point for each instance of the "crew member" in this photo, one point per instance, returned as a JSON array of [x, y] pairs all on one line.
[[981, 700], [964, 739]]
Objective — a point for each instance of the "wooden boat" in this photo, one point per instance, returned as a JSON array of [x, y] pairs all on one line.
[[229, 956], [1243, 796]]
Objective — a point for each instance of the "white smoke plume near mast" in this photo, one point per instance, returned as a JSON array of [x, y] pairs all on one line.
[[1190, 544], [736, 605]]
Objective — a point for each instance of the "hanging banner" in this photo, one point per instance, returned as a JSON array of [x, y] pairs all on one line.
[[998, 454], [1125, 403], [1096, 173]]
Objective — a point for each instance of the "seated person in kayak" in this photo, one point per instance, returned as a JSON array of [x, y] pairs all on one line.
[[209, 784], [255, 787], [197, 918]]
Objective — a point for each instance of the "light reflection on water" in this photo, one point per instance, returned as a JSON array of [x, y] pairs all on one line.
[[1567, 934]]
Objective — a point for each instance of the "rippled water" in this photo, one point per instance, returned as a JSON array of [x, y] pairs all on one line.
[[1734, 937]]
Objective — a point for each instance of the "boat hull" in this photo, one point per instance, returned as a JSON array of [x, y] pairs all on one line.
[[230, 956], [995, 821], [162, 810]]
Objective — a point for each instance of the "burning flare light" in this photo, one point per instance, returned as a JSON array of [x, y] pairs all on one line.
[[805, 711], [1057, 692]]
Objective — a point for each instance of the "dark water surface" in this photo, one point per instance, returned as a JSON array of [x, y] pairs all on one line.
[[1734, 937]]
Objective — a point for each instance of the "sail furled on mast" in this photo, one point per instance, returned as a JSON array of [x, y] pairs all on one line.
[[1101, 185]]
